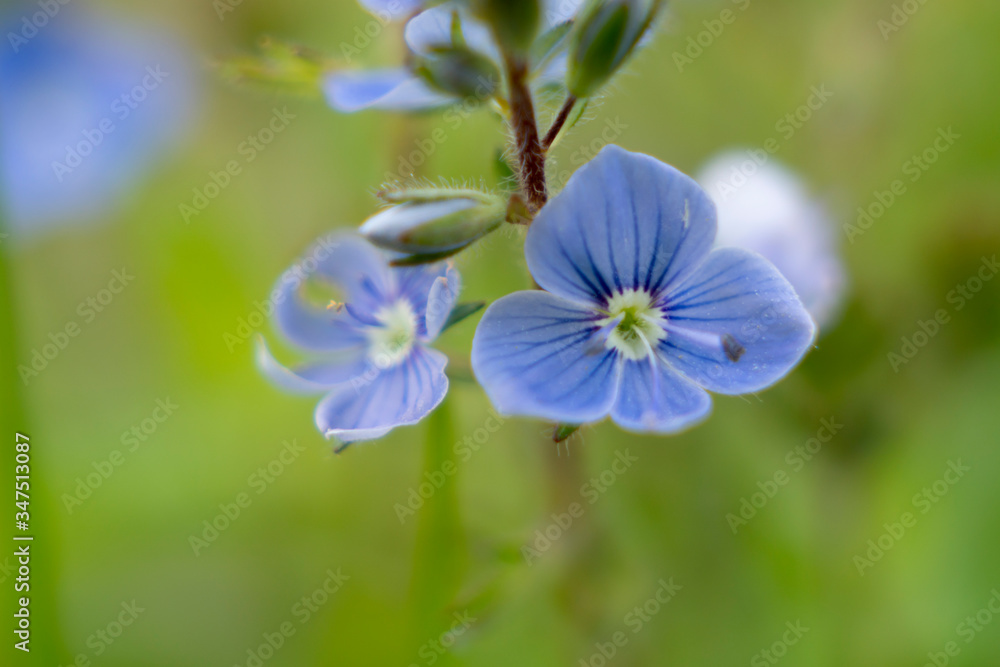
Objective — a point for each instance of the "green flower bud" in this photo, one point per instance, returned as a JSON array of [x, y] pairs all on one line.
[[430, 221], [514, 23], [605, 35], [459, 71]]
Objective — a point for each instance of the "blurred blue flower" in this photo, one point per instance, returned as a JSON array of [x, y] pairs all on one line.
[[89, 104], [766, 208], [400, 89], [640, 316], [374, 363]]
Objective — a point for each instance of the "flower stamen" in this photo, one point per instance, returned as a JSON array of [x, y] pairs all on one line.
[[392, 333], [634, 324]]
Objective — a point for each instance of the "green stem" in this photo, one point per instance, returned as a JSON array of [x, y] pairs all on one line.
[[577, 590], [439, 557]]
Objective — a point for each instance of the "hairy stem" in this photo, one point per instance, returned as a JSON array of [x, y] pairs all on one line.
[[558, 123], [530, 154]]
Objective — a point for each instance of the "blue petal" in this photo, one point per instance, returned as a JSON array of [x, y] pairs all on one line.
[[529, 355], [440, 301], [371, 405], [314, 327], [432, 29], [346, 262], [416, 283], [739, 294], [386, 89], [770, 212], [625, 220], [654, 398], [393, 9], [315, 378], [352, 264]]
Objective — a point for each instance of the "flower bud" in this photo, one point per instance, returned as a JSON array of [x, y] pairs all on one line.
[[431, 221], [459, 71], [514, 22], [604, 36]]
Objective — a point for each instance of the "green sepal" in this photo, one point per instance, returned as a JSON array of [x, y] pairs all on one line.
[[505, 175], [398, 194], [604, 36], [462, 311], [594, 53], [549, 44], [514, 22], [430, 258], [459, 71], [564, 432]]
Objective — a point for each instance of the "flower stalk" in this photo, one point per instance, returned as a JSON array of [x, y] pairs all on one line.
[[559, 122], [530, 153]]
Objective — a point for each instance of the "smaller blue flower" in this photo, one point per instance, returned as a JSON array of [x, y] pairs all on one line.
[[640, 316], [400, 89], [372, 361]]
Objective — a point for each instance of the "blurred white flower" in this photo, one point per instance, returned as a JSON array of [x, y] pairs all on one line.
[[765, 208]]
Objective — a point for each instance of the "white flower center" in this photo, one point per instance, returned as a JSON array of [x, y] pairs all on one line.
[[391, 343], [637, 324]]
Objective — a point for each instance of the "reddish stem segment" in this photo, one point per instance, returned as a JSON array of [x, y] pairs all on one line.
[[530, 153], [558, 123]]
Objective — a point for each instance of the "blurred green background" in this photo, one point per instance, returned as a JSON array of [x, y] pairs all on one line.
[[793, 564]]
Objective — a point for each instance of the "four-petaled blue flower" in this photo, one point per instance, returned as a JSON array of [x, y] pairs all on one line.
[[375, 367], [639, 315], [399, 89]]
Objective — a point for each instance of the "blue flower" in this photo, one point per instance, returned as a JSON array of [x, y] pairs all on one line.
[[89, 105], [400, 89], [373, 361], [639, 315], [766, 208]]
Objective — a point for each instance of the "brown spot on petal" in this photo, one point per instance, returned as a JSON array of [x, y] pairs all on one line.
[[732, 347]]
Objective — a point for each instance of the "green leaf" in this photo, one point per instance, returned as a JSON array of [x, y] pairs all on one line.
[[462, 311]]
